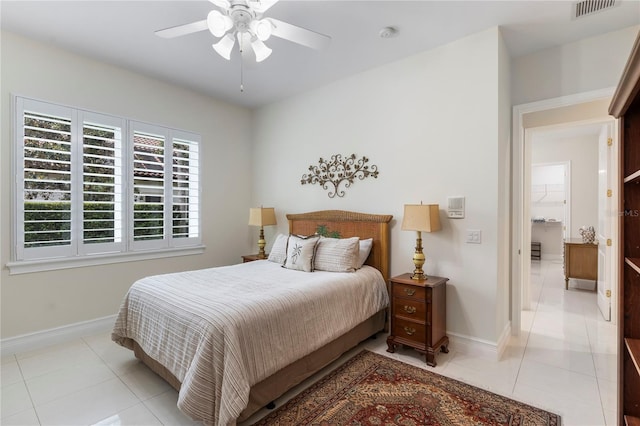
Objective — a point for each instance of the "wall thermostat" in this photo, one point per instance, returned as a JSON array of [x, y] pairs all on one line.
[[455, 207]]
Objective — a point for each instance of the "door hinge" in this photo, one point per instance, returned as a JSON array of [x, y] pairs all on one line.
[[608, 242], [608, 293], [609, 141], [609, 193]]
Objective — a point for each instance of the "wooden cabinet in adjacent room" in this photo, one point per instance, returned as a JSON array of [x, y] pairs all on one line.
[[580, 261], [626, 107]]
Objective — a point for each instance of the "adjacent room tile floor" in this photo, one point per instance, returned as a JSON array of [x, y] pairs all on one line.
[[564, 361]]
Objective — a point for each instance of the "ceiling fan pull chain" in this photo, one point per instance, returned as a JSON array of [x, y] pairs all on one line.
[[241, 77]]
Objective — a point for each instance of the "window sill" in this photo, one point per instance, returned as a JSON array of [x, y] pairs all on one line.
[[30, 266]]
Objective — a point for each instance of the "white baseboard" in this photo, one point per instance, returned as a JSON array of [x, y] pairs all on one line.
[[53, 336], [481, 347]]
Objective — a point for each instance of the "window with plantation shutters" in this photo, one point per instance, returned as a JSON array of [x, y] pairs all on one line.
[[166, 190], [102, 184], [148, 185], [92, 185], [45, 192], [185, 188]]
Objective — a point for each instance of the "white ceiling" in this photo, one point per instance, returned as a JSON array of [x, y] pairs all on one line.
[[122, 33]]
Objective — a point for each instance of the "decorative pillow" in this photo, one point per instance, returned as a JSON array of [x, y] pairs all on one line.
[[364, 250], [337, 254], [300, 253], [279, 249]]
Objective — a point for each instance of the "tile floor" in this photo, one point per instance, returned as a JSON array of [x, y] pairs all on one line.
[[564, 361]]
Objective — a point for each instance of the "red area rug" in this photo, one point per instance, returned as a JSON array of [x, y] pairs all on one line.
[[372, 389]]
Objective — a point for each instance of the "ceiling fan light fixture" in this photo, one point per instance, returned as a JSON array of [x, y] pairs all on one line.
[[224, 46], [260, 49], [262, 29], [218, 23]]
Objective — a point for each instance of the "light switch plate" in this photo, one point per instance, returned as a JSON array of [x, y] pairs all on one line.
[[474, 236]]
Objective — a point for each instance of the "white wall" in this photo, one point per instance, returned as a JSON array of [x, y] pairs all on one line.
[[434, 124], [586, 65], [39, 301], [430, 123]]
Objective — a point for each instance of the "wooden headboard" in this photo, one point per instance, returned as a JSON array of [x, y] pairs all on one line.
[[349, 224]]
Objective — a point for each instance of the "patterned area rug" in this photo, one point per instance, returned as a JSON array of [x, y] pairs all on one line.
[[372, 389]]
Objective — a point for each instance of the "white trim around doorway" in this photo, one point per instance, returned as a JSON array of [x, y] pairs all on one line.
[[520, 252]]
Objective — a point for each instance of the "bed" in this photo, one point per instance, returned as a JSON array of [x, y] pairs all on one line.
[[229, 365]]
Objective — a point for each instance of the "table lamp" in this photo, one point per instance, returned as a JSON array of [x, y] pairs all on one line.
[[420, 218], [262, 216]]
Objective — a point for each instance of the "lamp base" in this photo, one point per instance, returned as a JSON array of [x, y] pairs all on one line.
[[418, 276], [261, 245], [418, 260]]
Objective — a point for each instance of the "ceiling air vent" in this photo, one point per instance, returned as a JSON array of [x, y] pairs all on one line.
[[588, 7]]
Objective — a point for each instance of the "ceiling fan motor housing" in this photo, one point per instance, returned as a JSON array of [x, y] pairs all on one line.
[[241, 15]]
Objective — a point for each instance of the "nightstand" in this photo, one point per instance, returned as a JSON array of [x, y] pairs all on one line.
[[251, 257], [418, 315]]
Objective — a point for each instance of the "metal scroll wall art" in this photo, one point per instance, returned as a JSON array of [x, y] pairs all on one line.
[[338, 174]]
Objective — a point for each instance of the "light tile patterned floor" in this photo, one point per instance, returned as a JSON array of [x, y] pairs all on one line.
[[564, 361]]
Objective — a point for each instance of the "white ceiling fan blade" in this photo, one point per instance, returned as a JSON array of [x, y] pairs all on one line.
[[181, 30], [222, 4], [299, 35], [262, 6]]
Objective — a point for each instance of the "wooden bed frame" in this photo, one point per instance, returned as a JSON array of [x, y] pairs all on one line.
[[345, 224]]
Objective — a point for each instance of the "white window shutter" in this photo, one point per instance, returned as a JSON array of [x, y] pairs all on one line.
[[185, 227], [102, 184], [44, 180], [149, 189]]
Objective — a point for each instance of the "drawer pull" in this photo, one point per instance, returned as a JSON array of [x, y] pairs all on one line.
[[409, 330], [410, 291], [410, 309]]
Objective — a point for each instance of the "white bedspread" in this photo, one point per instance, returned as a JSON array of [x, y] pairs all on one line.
[[222, 330]]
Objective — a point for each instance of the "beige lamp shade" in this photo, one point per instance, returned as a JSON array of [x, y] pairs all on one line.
[[262, 216], [421, 217]]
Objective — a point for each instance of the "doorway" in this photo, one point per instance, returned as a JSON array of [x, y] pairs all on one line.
[[550, 203], [577, 110]]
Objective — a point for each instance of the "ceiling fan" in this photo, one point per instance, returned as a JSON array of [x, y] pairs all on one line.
[[243, 20]]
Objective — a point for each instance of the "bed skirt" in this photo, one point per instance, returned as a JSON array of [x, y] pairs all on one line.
[[277, 384]]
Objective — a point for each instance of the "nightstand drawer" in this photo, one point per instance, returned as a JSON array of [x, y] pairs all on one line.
[[403, 290], [409, 308], [409, 330]]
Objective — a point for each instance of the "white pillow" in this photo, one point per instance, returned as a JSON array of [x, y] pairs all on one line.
[[300, 253], [364, 250], [279, 250], [337, 254]]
